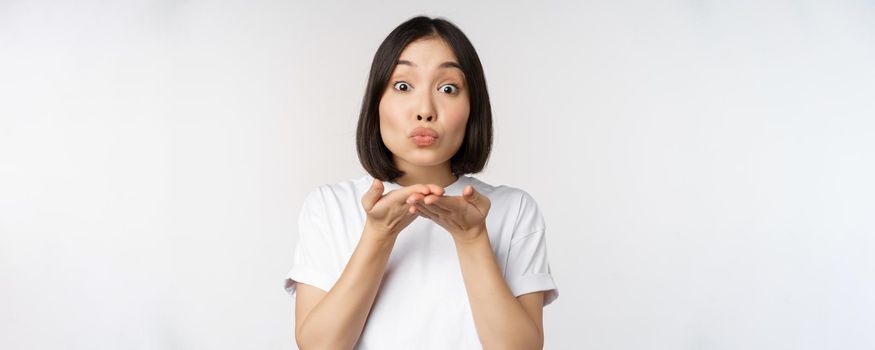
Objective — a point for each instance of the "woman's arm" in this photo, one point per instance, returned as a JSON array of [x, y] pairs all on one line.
[[336, 320], [502, 321]]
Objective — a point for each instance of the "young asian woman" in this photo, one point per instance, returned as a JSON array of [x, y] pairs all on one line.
[[417, 253]]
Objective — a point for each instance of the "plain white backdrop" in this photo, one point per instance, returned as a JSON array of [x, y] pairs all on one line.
[[705, 167]]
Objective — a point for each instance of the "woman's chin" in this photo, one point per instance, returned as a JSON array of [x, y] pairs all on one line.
[[422, 160]]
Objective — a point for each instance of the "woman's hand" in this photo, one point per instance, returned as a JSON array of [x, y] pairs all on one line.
[[463, 216], [390, 213]]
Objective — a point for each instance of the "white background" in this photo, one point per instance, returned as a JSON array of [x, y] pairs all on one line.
[[705, 167]]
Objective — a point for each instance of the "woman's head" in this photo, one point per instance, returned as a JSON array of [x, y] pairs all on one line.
[[425, 79]]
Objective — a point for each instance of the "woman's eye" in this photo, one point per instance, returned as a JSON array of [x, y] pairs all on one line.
[[450, 89], [401, 86]]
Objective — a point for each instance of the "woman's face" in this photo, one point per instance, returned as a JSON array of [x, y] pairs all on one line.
[[424, 109]]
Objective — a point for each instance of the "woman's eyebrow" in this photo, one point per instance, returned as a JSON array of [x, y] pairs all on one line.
[[447, 64]]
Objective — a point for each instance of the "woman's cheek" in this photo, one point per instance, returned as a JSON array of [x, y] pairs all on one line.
[[459, 122], [390, 129]]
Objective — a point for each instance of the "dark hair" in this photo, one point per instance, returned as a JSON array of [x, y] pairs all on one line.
[[473, 153]]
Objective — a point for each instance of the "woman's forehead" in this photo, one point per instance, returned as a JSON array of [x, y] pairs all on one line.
[[428, 53]]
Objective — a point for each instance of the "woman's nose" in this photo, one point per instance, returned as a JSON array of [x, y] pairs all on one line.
[[427, 110]]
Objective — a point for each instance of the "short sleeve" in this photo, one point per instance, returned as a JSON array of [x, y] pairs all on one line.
[[528, 269], [311, 264]]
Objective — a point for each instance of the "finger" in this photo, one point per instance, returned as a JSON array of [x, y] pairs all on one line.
[[436, 190], [403, 194], [372, 195], [425, 212], [443, 202], [438, 210], [472, 195], [427, 209], [480, 201], [419, 189], [414, 198]]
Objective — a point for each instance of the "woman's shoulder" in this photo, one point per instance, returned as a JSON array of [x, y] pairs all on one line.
[[345, 186], [502, 192], [509, 201], [339, 192]]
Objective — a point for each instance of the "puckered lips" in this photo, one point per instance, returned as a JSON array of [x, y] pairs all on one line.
[[423, 136]]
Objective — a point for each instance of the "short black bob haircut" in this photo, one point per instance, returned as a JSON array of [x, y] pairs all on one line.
[[474, 151]]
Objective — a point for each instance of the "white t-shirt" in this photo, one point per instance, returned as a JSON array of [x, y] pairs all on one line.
[[422, 302]]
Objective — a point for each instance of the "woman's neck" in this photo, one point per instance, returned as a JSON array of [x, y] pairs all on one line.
[[440, 175]]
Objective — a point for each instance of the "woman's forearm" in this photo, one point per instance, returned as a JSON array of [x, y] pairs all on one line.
[[500, 319], [336, 322]]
